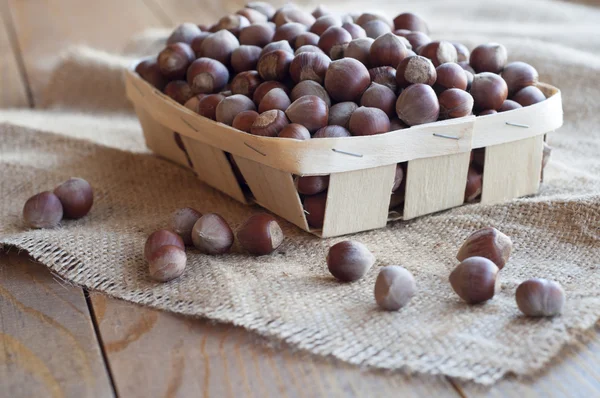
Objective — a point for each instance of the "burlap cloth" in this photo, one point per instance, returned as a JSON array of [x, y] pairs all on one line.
[[90, 132]]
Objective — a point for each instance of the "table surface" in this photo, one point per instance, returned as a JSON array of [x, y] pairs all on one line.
[[60, 340]]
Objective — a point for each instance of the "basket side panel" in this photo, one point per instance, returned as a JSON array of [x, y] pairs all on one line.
[[435, 184], [212, 166], [512, 170], [274, 190], [358, 200]]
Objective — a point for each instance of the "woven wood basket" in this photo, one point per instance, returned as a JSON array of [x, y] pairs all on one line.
[[361, 169]]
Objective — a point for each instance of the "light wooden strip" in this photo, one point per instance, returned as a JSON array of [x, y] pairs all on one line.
[[12, 86], [48, 347], [157, 354], [435, 184], [512, 170]]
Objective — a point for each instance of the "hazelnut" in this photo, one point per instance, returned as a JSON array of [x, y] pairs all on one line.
[[309, 87], [519, 75], [367, 17], [376, 28], [179, 91], [219, 46], [439, 52], [455, 103], [462, 51], [384, 75], [359, 49], [243, 121], [269, 123], [207, 106], [260, 234], [167, 263], [418, 104], [314, 206], [465, 65], [174, 60], [478, 158], [509, 105], [212, 235], [76, 197], [197, 43], [308, 49], [355, 30], [337, 51], [528, 96], [289, 31], [397, 124], [489, 91], [368, 121], [275, 65], [193, 103], [350, 17], [274, 99], [258, 35], [182, 223], [346, 79], [398, 177], [349, 260], [184, 33], [320, 11], [387, 50], [309, 111], [207, 76], [265, 87], [340, 113], [245, 83], [489, 57], [394, 287], [252, 16], [381, 97], [474, 183], [309, 66], [417, 69], [245, 58], [263, 7], [416, 39], [312, 185], [277, 45], [450, 75], [293, 14], [470, 78], [306, 39], [323, 23], [233, 23], [229, 107], [487, 112], [474, 279], [412, 22], [160, 238], [332, 36], [540, 297], [332, 131], [295, 131], [150, 72], [488, 243], [43, 210]]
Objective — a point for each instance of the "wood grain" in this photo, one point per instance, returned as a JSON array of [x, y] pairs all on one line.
[[12, 86]]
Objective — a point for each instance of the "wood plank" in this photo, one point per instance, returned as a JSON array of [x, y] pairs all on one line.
[[47, 342], [13, 91], [153, 353]]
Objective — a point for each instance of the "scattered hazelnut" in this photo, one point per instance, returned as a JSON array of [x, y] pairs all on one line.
[[474, 185], [306, 39], [312, 185], [346, 79], [384, 75], [323, 23], [182, 222], [450, 75], [295, 131], [207, 106], [289, 31], [540, 297], [308, 49], [309, 111], [381, 97], [348, 261], [269, 123], [489, 91], [245, 58], [310, 87], [455, 103], [293, 14], [528, 96], [339, 114], [160, 238], [359, 49], [315, 208], [412, 22], [275, 65], [43, 210], [219, 46], [229, 107], [260, 234], [212, 235], [184, 33], [376, 28], [245, 83], [519, 75], [277, 45], [309, 66], [274, 99], [488, 243], [332, 131], [418, 104], [258, 35], [474, 280], [76, 197], [394, 288], [263, 7], [489, 57], [387, 50], [150, 72], [253, 16], [462, 52], [265, 87], [167, 263], [355, 30], [179, 91], [243, 121], [207, 76], [417, 69], [332, 36], [439, 52], [509, 105], [174, 60]]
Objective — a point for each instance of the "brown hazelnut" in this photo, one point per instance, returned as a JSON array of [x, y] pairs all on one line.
[[418, 104], [359, 49], [212, 235], [412, 22], [414, 70], [193, 103], [179, 91], [76, 196], [258, 35], [387, 50], [332, 131], [488, 90], [394, 288], [384, 75], [340, 113], [519, 75], [478, 158], [397, 124], [233, 23], [314, 206], [398, 177], [245, 58], [332, 36], [462, 51], [207, 76], [309, 87], [295, 131], [488, 243], [376, 28], [455, 103], [260, 234], [274, 99], [439, 52], [349, 260], [528, 96], [293, 14], [160, 238], [289, 31], [167, 263], [308, 49], [243, 121], [310, 111], [509, 105], [465, 65], [487, 112], [381, 97], [309, 66], [245, 83], [184, 33], [350, 17], [416, 39], [306, 39], [312, 185], [489, 57], [174, 60], [474, 184], [368, 121], [277, 45], [253, 16], [337, 51], [367, 17], [269, 123], [356, 31], [474, 280], [265, 87], [229, 107], [540, 297], [197, 43], [470, 78], [275, 65], [43, 210], [219, 46], [150, 72], [450, 75], [182, 222], [323, 23], [320, 11], [263, 7], [207, 106], [346, 79]]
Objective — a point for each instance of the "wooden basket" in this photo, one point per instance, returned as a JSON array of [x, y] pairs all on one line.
[[361, 169]]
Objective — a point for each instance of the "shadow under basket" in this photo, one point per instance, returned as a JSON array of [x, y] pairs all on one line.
[[361, 169]]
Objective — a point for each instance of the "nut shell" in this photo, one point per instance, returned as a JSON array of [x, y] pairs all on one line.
[[219, 45], [312, 185], [359, 49], [206, 76], [76, 196], [455, 103], [229, 107], [306, 39], [394, 288], [309, 66], [182, 223], [174, 60], [450, 75], [387, 50], [439, 52], [414, 70], [368, 121], [509, 105], [245, 58], [356, 31], [212, 235], [489, 91], [349, 261], [207, 106], [325, 22], [528, 96], [412, 22], [474, 185], [269, 123], [339, 114], [488, 243], [275, 65], [314, 206], [332, 132], [332, 36], [167, 263], [243, 121], [295, 131], [310, 87], [381, 97], [274, 99], [474, 280], [376, 28], [43, 210], [184, 33], [346, 79], [519, 75], [245, 83], [150, 72], [540, 297], [310, 111], [179, 91], [490, 57], [160, 238], [259, 34], [260, 234], [418, 104]]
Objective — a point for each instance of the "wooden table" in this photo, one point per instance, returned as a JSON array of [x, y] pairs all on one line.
[[59, 340]]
